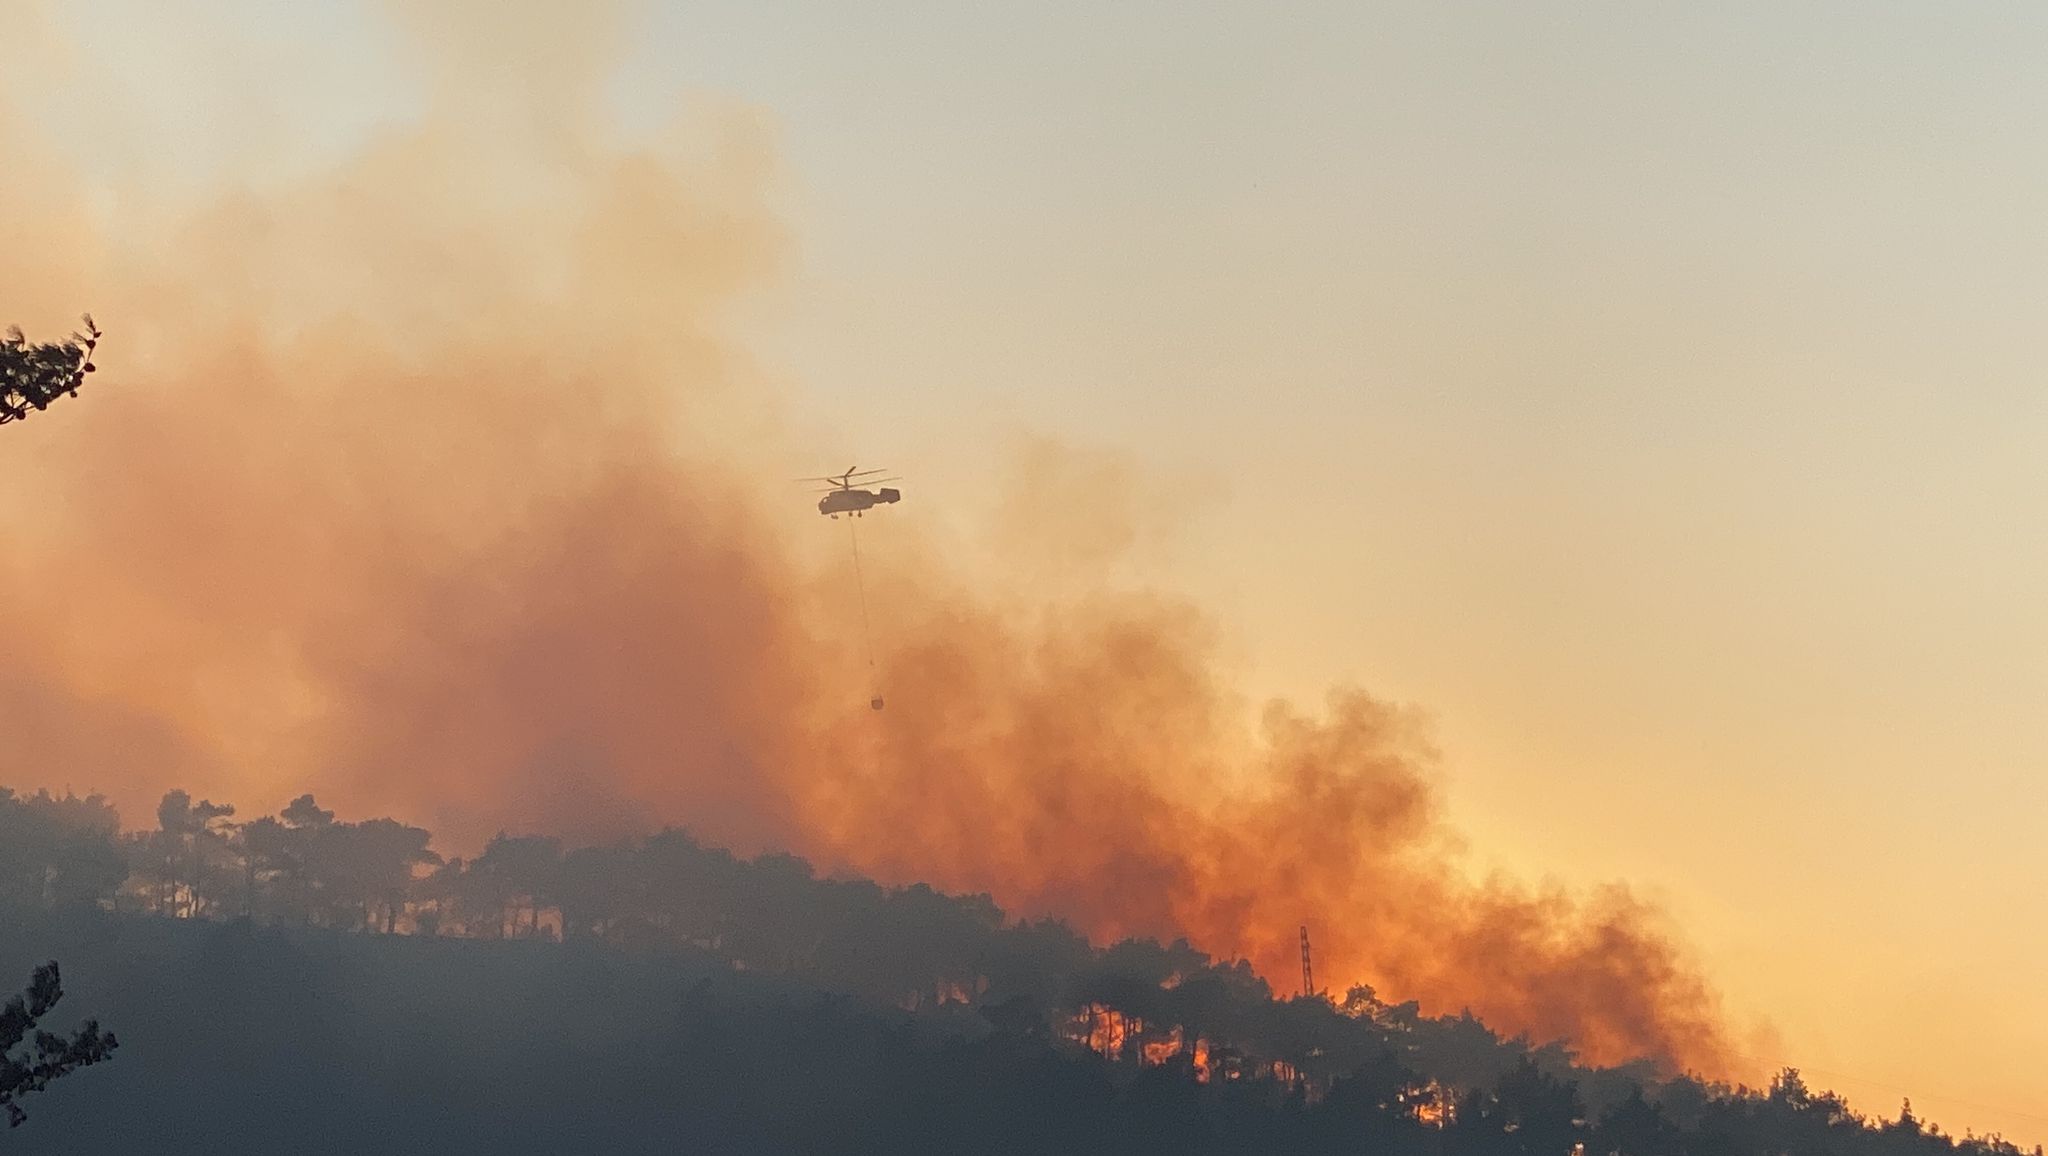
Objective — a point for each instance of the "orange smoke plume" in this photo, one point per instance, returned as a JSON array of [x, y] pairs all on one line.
[[428, 484]]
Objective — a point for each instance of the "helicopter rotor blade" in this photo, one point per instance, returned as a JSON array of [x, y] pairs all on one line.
[[833, 484]]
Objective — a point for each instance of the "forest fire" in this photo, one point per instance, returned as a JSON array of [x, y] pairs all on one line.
[[437, 540], [1115, 1035]]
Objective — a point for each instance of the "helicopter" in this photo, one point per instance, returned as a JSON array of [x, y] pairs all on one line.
[[841, 497]]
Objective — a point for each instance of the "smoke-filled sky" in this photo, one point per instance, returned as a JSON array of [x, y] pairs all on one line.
[[1639, 405]]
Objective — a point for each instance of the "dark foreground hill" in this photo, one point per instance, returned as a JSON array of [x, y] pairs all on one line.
[[238, 1038], [252, 1039], [303, 984]]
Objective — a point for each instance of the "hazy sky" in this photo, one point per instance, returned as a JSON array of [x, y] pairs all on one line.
[[1651, 392]]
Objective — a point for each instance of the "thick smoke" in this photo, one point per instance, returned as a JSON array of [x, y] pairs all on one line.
[[429, 485]]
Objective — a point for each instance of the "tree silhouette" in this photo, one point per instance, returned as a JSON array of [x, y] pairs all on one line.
[[514, 875], [32, 375], [48, 1056], [1637, 1125], [59, 850], [187, 852]]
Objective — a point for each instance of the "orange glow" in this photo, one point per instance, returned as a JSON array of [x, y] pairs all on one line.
[[1159, 1050], [1435, 1114], [1104, 1030]]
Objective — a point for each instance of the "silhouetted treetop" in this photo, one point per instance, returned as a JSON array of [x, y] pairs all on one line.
[[47, 1056], [33, 374]]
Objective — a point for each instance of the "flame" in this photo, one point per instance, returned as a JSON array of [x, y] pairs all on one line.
[[1103, 1029], [1158, 1051], [1434, 1105]]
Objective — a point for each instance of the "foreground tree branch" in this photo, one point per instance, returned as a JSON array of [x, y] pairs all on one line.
[[33, 375], [48, 1056]]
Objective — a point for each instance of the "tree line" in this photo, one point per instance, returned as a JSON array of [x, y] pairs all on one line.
[[1143, 1017]]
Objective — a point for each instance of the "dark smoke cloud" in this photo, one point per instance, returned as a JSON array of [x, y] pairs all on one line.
[[429, 485]]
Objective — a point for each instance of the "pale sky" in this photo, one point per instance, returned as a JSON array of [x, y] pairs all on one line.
[[1651, 392]]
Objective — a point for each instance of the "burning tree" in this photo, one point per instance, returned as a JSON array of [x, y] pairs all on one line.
[[48, 1055], [32, 375]]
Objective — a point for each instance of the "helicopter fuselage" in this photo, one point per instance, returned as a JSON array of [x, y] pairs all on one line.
[[851, 501]]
